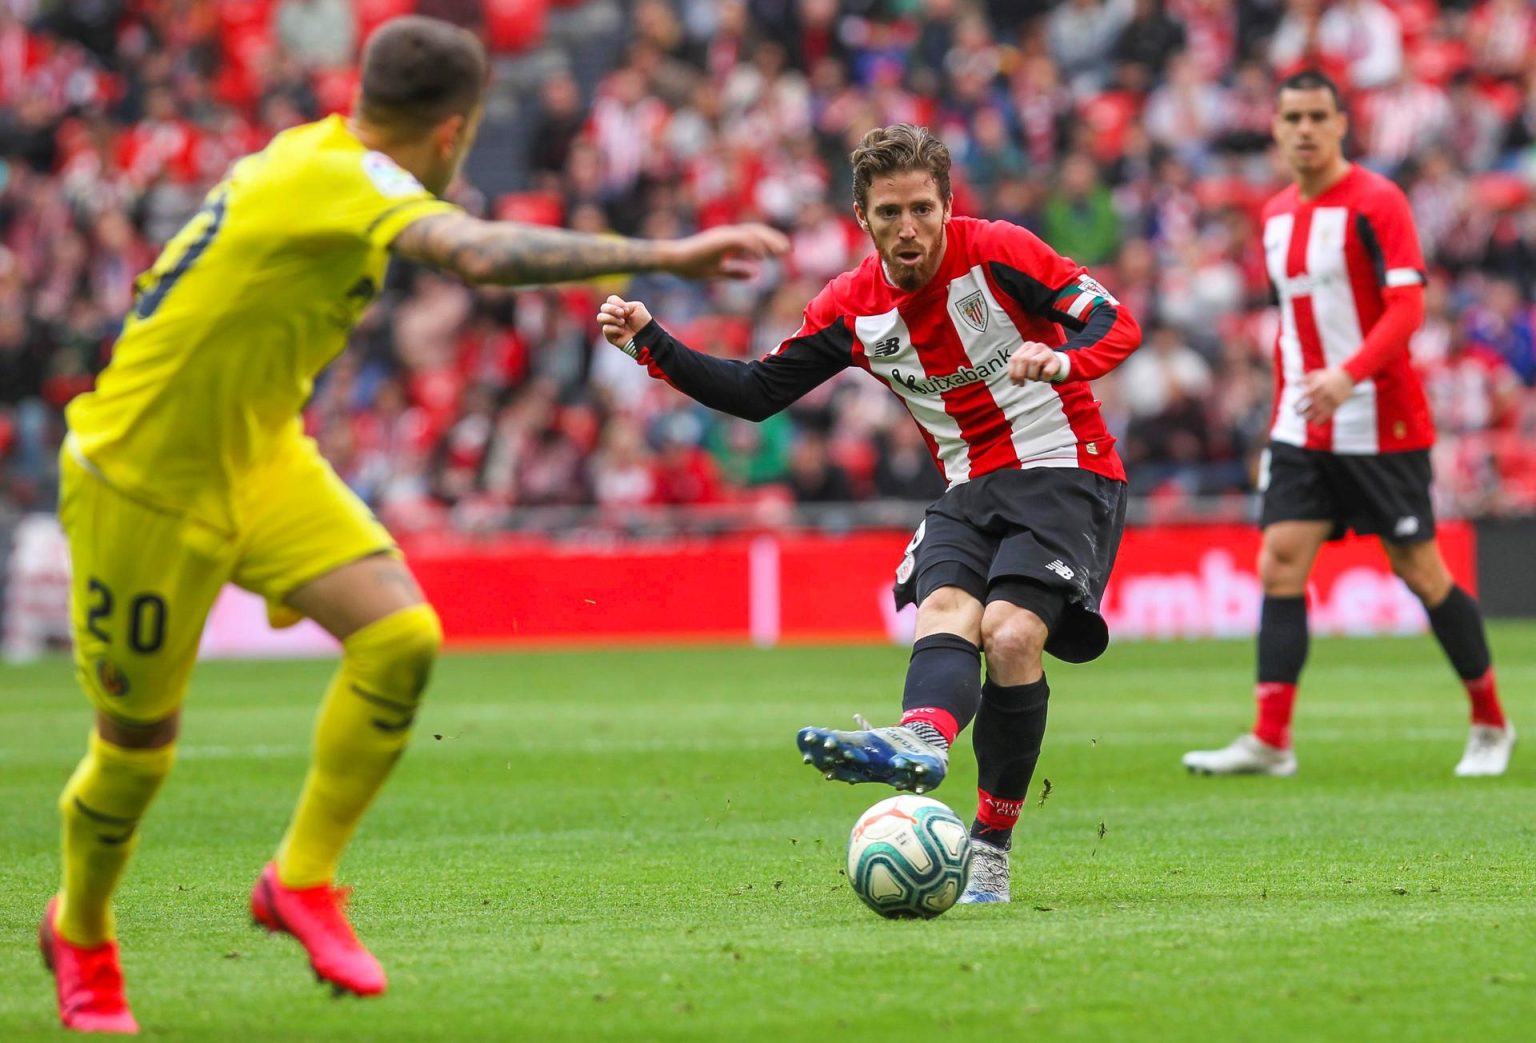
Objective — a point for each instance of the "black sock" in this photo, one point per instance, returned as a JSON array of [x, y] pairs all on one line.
[[1283, 639], [1007, 737], [1458, 626], [943, 686]]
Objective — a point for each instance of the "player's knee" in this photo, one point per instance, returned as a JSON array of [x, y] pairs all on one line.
[[397, 652], [1426, 577], [1013, 637], [1282, 571]]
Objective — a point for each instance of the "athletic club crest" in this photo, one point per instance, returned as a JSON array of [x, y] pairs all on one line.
[[973, 309]]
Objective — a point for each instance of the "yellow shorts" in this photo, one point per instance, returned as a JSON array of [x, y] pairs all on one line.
[[144, 579]]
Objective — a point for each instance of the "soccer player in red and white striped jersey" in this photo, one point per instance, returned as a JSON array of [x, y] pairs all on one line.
[[1351, 430], [989, 338]]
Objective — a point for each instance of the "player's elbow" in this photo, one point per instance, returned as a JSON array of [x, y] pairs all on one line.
[[1132, 328], [473, 265], [1409, 302]]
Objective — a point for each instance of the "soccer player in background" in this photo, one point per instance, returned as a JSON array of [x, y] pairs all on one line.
[[187, 468], [1351, 430], [963, 320]]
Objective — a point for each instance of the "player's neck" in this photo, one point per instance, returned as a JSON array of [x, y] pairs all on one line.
[[1315, 184], [411, 156]]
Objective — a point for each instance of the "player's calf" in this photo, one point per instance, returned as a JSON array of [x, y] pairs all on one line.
[[363, 727]]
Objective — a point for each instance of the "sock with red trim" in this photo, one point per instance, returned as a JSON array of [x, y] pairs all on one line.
[[943, 688], [1009, 730], [1283, 646], [1458, 625]]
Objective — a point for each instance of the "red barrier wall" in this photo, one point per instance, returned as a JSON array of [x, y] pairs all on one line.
[[1176, 581]]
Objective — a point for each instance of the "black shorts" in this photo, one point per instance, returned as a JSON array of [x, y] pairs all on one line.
[[1057, 526], [1384, 495]]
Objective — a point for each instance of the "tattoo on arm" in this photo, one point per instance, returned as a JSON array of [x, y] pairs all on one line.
[[514, 254]]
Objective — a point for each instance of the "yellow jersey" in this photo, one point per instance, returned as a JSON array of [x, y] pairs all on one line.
[[246, 304]]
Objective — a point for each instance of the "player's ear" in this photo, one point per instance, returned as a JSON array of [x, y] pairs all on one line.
[[445, 137], [858, 212]]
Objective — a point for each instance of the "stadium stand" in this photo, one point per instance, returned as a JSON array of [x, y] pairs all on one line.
[[1130, 133]]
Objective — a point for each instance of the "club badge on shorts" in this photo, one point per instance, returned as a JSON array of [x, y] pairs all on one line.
[[111, 678], [909, 557]]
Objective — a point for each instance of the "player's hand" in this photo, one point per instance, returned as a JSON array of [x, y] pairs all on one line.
[[1323, 391], [1033, 361], [621, 320], [729, 252]]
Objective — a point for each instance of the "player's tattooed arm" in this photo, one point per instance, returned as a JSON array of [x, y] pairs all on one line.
[[514, 254]]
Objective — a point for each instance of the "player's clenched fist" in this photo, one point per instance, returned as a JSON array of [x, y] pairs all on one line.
[[1033, 360], [621, 320]]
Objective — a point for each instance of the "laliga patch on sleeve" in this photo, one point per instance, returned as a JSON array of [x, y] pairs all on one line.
[[391, 179]]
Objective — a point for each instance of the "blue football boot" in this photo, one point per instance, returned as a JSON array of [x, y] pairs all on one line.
[[894, 756]]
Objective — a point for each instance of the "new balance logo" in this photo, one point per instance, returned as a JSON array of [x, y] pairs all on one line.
[[1406, 526], [1061, 569], [884, 349]]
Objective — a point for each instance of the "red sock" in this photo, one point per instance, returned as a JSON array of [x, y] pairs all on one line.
[[1273, 725], [1484, 695], [940, 718]]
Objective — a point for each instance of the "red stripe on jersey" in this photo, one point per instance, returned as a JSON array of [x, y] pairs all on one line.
[[1319, 436], [1095, 445], [987, 433]]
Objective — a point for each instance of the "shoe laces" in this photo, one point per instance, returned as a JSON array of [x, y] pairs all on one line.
[[329, 907], [100, 978], [1482, 740]]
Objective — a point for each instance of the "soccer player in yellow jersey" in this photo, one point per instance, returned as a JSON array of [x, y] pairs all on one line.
[[187, 468]]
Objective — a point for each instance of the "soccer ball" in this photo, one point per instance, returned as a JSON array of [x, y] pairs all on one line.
[[909, 856]]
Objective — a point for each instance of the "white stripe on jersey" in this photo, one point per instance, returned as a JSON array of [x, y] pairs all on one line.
[[1338, 326], [1404, 277], [1042, 435], [1289, 427], [903, 365]]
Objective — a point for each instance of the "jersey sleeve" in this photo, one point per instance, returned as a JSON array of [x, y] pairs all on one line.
[[372, 197], [1384, 223], [820, 349], [1101, 332]]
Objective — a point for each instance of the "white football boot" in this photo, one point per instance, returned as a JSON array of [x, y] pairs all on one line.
[[1487, 751], [1247, 755], [988, 882]]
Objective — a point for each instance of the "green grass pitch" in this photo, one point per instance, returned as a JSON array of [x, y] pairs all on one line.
[[625, 845]]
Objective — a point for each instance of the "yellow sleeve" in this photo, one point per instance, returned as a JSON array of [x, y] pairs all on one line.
[[373, 198]]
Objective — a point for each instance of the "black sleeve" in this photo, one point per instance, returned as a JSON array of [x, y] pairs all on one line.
[[751, 390], [1037, 298]]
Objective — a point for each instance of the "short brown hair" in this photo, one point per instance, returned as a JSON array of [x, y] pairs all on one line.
[[898, 149], [1312, 80], [418, 71]]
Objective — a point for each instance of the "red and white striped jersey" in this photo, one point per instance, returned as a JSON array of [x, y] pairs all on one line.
[[1331, 260], [944, 351]]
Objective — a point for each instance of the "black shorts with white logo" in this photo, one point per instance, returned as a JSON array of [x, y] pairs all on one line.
[[1057, 526], [1386, 494]]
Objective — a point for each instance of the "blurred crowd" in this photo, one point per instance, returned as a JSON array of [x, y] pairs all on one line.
[[1131, 134]]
